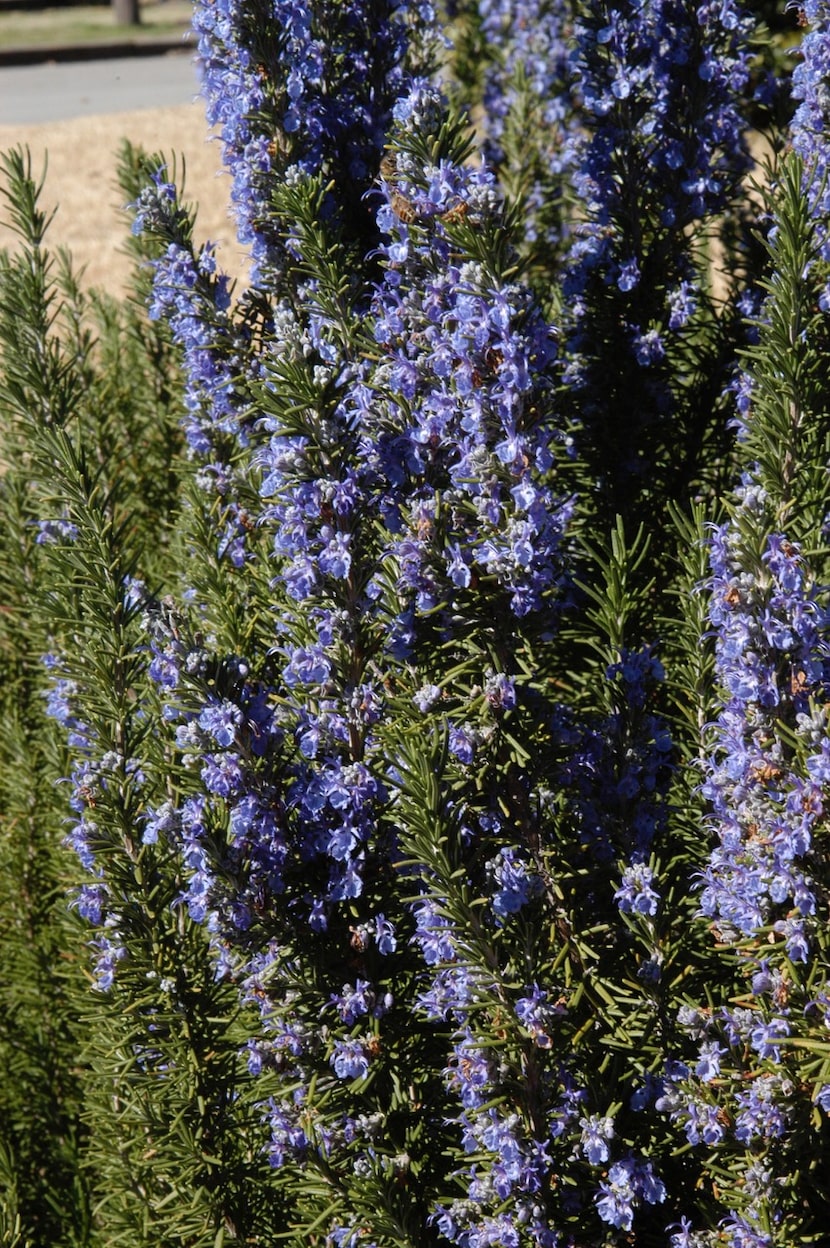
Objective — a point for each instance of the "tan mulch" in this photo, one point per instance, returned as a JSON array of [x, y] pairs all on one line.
[[80, 182]]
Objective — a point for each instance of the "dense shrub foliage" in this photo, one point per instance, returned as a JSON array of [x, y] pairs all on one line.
[[417, 660]]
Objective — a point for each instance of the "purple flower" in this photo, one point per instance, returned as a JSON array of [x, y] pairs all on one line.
[[462, 743], [353, 1002], [596, 1132], [434, 935], [385, 937], [471, 1072], [426, 697], [763, 1109], [536, 1013], [709, 1061], [515, 886], [664, 94], [629, 1184], [349, 1059], [222, 721], [742, 1234], [339, 73], [636, 896], [809, 86]]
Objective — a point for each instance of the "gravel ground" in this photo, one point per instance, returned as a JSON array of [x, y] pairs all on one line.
[[80, 182]]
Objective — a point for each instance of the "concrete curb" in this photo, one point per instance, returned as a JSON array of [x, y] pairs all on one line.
[[38, 54]]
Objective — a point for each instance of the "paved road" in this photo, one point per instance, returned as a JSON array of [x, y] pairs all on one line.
[[31, 94]]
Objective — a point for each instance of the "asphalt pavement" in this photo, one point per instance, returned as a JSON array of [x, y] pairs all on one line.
[[58, 90], [54, 82]]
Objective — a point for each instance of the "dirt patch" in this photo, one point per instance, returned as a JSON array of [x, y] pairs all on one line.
[[80, 183]]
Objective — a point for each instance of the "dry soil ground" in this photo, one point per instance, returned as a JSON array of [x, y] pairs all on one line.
[[80, 182]]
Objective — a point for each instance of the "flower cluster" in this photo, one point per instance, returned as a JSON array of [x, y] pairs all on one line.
[[809, 86], [663, 85], [663, 91], [101, 781], [307, 88], [771, 662], [527, 89], [766, 772], [218, 344], [526, 1119], [259, 824], [410, 451], [512, 1163], [189, 296], [617, 771], [459, 406], [399, 761]]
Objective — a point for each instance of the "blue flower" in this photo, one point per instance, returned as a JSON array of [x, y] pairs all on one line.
[[629, 1184], [349, 1059], [596, 1133], [636, 896], [515, 885]]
